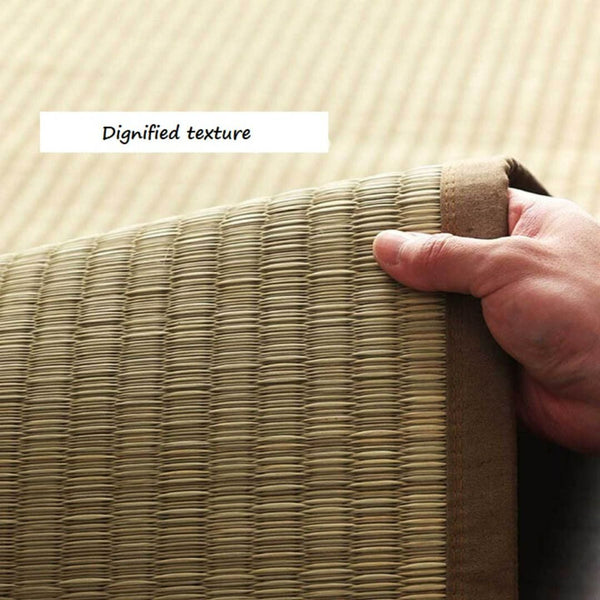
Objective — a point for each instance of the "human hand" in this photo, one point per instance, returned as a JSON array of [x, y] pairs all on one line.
[[540, 295]]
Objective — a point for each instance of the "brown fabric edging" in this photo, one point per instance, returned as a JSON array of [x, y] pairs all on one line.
[[481, 430]]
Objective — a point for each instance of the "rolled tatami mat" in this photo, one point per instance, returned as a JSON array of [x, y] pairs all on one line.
[[240, 403]]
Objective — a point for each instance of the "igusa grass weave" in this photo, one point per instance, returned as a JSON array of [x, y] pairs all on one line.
[[236, 404]]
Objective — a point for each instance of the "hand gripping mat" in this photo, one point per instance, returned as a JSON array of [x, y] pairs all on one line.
[[241, 404]]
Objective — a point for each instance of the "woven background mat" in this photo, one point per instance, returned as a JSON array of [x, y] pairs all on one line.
[[406, 83]]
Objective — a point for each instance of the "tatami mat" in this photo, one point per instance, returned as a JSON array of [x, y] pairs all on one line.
[[180, 423]]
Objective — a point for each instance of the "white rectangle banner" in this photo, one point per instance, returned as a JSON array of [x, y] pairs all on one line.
[[127, 132]]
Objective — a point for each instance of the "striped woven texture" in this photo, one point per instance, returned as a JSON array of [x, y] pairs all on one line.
[[406, 83], [236, 404]]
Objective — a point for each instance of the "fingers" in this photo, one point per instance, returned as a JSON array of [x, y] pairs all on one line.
[[519, 203], [530, 214], [439, 262]]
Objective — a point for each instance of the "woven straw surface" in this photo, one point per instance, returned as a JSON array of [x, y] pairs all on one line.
[[236, 404], [406, 83]]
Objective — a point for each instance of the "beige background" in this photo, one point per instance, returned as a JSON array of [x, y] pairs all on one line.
[[405, 82]]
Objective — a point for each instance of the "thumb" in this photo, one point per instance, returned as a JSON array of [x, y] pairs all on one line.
[[438, 262]]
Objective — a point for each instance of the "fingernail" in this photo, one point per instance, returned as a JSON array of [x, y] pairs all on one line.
[[387, 245]]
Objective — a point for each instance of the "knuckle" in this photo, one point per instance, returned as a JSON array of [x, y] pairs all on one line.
[[434, 249], [528, 253], [519, 258]]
